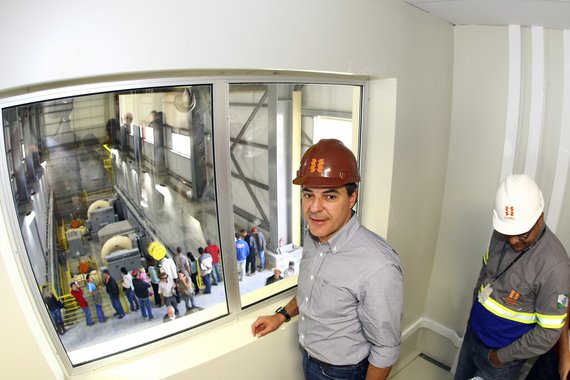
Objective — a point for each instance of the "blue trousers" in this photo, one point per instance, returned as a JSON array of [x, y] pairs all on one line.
[[262, 259], [88, 319], [56, 316], [145, 308], [206, 281], [100, 314], [474, 361], [133, 300], [217, 272], [315, 370], [116, 302]]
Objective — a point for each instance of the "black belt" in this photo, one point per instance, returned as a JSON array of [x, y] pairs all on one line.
[[324, 364]]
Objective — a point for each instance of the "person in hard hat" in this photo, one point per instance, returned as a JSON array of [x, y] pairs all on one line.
[[520, 298], [350, 292], [165, 263]]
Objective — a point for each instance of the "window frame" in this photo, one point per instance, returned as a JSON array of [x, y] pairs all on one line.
[[23, 277]]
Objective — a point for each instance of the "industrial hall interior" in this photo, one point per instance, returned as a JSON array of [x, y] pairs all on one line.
[[138, 155]]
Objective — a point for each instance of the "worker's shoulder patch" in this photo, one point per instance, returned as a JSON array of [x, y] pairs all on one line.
[[562, 301]]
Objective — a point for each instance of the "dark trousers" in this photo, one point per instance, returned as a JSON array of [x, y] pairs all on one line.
[[157, 301], [171, 301], [194, 278], [545, 367], [474, 361], [250, 263]]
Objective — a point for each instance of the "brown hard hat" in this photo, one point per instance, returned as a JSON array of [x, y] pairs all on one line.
[[328, 163]]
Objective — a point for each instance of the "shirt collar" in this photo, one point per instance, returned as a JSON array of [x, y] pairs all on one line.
[[337, 242]]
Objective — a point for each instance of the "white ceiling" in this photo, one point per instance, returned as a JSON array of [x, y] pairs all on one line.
[[551, 14]]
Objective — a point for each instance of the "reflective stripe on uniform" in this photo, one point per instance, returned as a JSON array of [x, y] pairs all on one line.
[[551, 321], [546, 321], [486, 257]]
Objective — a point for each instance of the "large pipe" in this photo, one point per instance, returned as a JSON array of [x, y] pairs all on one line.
[[114, 244]]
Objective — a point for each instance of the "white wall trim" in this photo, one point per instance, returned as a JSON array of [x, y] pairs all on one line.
[[513, 101], [426, 323], [563, 159], [536, 102]]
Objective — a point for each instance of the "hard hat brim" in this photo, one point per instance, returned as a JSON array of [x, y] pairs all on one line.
[[323, 182], [514, 228]]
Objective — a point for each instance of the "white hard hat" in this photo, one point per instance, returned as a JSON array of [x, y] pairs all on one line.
[[518, 205]]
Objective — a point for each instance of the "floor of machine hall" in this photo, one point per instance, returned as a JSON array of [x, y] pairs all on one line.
[[80, 335]]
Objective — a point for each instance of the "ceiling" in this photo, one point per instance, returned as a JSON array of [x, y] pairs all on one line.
[[551, 14]]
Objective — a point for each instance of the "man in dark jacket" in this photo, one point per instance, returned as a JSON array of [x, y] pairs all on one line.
[[142, 293], [113, 292], [250, 261]]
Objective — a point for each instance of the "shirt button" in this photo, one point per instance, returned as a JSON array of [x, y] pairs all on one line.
[[306, 299], [321, 254], [302, 336], [302, 318], [312, 277]]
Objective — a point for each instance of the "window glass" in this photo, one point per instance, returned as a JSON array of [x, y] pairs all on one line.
[[181, 144], [327, 126], [105, 181], [93, 195], [271, 125]]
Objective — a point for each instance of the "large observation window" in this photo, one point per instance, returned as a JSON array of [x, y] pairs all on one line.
[[119, 181]]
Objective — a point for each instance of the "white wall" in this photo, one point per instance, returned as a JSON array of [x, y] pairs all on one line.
[[479, 143], [402, 194]]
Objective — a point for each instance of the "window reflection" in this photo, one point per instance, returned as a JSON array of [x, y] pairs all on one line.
[[271, 125], [100, 184], [118, 181]]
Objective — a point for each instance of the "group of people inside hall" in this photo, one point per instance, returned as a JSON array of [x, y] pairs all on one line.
[[165, 282], [250, 246], [350, 326]]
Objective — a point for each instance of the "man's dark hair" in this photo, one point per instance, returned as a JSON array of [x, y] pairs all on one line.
[[351, 188]]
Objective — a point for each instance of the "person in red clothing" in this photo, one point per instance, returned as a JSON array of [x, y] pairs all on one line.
[[214, 251], [77, 293]]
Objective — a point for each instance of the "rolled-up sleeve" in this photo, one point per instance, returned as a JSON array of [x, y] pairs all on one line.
[[380, 313]]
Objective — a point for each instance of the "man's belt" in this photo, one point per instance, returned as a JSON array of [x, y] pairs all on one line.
[[324, 364]]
